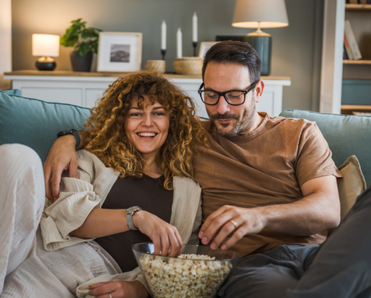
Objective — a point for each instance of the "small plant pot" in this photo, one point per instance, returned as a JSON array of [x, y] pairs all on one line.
[[81, 63]]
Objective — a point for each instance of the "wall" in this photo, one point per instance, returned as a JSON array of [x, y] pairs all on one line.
[[296, 48], [5, 42]]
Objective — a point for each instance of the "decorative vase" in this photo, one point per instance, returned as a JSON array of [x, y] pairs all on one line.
[[81, 63]]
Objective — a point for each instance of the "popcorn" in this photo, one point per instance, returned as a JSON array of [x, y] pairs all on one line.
[[189, 275]]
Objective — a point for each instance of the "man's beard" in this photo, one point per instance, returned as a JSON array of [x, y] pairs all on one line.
[[246, 122]]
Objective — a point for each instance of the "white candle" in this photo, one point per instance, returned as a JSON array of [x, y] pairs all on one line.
[[179, 43], [163, 35], [194, 27]]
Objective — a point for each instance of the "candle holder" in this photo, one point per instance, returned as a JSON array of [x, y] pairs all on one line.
[[163, 52], [194, 43]]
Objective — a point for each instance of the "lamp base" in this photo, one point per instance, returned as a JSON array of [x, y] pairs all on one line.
[[45, 63], [263, 45]]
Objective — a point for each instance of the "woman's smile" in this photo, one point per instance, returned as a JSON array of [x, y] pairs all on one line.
[[147, 127]]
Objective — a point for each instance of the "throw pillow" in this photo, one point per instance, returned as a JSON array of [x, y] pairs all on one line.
[[352, 184]]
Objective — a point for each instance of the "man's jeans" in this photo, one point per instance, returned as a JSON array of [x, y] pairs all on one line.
[[340, 267]]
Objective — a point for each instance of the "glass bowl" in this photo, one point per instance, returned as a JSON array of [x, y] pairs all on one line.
[[185, 277]]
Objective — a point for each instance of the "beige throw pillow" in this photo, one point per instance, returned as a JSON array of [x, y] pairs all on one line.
[[352, 184]]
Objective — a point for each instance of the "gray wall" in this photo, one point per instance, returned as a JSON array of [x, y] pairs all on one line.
[[296, 48]]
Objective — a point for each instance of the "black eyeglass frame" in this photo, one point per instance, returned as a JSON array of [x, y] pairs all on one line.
[[251, 87]]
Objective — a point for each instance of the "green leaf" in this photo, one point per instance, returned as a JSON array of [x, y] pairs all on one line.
[[70, 38], [84, 39], [89, 33], [83, 48]]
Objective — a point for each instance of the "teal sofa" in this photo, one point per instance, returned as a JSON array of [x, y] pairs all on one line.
[[35, 123], [346, 135]]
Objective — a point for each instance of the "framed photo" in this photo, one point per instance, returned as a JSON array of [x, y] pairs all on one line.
[[119, 51], [204, 47]]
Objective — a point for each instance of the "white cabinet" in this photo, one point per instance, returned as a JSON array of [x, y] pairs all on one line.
[[84, 90]]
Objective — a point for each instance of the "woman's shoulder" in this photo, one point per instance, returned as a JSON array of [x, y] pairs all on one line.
[[185, 183], [86, 155], [90, 163]]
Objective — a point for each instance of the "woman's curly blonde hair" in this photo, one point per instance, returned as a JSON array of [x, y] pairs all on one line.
[[106, 137]]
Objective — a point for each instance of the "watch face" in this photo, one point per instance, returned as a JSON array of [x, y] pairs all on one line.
[[133, 209]]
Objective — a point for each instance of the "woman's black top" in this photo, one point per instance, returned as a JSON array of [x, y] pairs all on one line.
[[149, 194]]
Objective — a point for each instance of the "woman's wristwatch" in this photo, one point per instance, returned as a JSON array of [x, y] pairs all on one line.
[[129, 216]]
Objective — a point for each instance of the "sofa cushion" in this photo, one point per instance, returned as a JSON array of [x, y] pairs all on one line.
[[352, 184], [346, 135], [13, 92], [34, 122]]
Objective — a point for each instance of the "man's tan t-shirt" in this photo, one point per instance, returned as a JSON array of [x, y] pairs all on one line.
[[264, 167]]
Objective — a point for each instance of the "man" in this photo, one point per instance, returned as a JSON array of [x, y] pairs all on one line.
[[269, 190]]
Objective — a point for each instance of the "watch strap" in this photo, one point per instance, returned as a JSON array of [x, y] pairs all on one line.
[[73, 132], [77, 138], [129, 216]]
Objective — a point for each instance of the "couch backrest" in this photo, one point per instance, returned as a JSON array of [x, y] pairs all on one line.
[[34, 122], [346, 135]]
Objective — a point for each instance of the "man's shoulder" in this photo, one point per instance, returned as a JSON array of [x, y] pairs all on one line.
[[205, 124], [291, 123]]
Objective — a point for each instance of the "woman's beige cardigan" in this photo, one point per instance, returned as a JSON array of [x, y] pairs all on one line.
[[78, 197]]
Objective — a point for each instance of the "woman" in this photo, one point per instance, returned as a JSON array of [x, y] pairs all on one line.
[[140, 141]]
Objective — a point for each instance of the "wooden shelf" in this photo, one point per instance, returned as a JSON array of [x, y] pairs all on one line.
[[349, 109], [358, 7], [358, 62], [356, 107], [65, 73]]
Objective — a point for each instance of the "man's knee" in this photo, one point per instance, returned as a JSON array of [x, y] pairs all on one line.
[[268, 274]]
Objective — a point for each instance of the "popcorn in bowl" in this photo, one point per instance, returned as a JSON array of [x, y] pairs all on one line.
[[197, 272]]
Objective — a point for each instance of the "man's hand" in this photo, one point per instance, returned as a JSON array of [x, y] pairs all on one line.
[[61, 157], [231, 220], [318, 210]]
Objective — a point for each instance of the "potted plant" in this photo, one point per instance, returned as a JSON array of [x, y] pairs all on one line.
[[85, 42]]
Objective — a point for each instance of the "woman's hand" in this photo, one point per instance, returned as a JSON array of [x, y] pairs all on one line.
[[164, 236], [118, 289]]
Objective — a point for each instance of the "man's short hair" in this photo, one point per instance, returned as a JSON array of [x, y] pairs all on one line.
[[234, 52]]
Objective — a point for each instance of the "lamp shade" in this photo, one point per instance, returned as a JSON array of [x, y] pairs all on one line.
[[45, 45], [269, 13]]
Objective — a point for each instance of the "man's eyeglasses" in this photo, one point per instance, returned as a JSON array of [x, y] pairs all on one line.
[[233, 97]]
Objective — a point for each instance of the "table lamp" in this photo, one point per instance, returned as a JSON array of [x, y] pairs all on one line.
[[260, 14], [47, 46]]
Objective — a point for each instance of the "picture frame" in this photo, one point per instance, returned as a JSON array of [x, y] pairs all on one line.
[[119, 52], [204, 47]]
